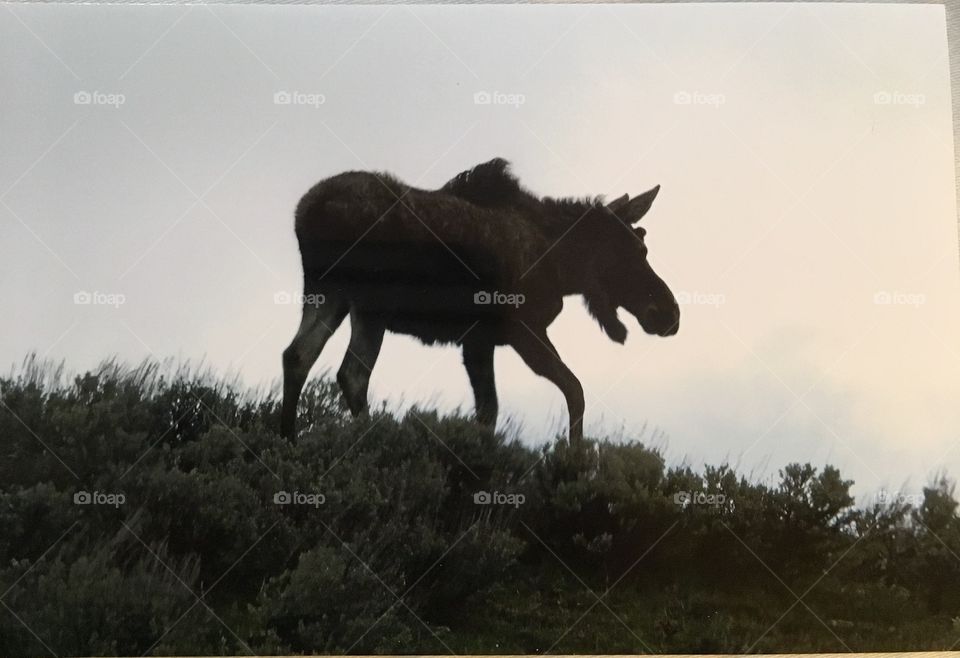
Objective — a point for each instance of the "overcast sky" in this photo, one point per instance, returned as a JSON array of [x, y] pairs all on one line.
[[805, 155]]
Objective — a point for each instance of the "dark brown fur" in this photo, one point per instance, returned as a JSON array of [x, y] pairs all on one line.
[[402, 259]]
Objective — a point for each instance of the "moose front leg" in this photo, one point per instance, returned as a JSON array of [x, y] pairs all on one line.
[[536, 350], [478, 360]]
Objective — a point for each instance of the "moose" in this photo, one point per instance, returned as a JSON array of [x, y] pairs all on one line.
[[479, 263]]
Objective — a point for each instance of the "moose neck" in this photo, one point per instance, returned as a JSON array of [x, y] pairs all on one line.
[[578, 248], [575, 267]]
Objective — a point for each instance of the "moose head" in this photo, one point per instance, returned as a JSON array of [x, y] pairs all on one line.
[[621, 275]]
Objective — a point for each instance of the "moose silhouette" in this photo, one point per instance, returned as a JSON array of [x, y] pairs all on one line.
[[480, 262]]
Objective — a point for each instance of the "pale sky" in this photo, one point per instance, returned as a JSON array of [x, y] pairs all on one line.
[[805, 155]]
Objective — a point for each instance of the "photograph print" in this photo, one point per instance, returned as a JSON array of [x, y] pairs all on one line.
[[478, 329]]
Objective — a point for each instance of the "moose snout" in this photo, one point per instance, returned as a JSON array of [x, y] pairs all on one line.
[[661, 319]]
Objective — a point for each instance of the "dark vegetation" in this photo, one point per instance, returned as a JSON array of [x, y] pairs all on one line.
[[598, 558]]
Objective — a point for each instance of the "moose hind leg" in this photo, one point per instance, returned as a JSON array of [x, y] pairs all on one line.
[[316, 326], [478, 360], [366, 338], [536, 350]]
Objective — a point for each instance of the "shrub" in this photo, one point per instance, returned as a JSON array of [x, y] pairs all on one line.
[[421, 534]]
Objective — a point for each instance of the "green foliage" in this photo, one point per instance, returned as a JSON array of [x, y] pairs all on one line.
[[208, 533]]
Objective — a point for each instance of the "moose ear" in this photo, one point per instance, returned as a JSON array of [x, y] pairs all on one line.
[[618, 203], [638, 206]]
